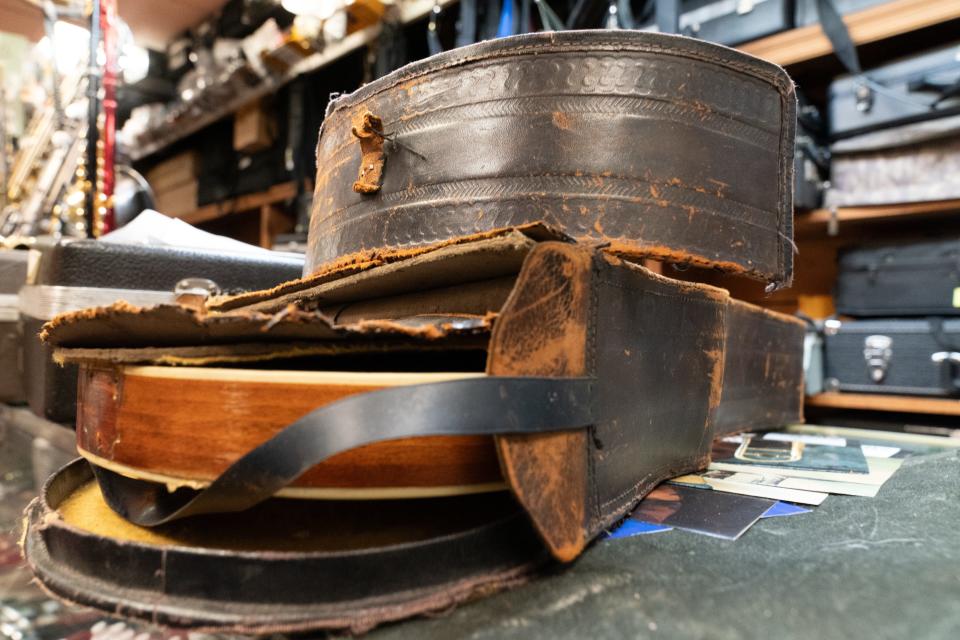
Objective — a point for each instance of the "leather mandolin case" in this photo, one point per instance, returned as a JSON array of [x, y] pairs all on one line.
[[475, 377], [662, 146], [598, 380]]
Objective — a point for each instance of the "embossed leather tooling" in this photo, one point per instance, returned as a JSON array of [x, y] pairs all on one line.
[[663, 146]]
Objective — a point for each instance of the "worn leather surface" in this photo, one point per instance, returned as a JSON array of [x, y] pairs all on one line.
[[664, 146], [763, 371], [394, 561], [676, 364], [660, 345], [544, 329], [660, 352]]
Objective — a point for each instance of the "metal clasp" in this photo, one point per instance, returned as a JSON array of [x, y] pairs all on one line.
[[864, 97], [877, 351], [949, 362], [193, 292], [831, 326]]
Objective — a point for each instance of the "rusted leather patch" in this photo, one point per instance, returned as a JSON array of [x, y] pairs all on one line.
[[369, 130], [543, 330]]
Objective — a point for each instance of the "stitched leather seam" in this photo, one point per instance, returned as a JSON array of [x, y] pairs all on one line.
[[646, 478]]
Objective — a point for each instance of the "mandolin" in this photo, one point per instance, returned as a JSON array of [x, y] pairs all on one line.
[[183, 426]]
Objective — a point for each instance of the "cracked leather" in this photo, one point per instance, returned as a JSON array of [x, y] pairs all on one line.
[[663, 146], [677, 364], [674, 364]]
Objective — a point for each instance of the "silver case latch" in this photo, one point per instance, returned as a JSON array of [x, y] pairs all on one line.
[[877, 351]]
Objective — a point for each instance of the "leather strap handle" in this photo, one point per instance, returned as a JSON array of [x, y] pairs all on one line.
[[475, 406], [839, 36], [667, 15]]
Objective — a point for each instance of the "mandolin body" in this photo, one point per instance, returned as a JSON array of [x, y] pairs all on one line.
[[183, 426]]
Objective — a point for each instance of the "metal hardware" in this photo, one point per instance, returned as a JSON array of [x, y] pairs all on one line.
[[864, 96], [768, 451], [195, 288], [831, 384], [831, 327], [949, 363], [47, 301], [877, 351], [945, 356], [833, 224]]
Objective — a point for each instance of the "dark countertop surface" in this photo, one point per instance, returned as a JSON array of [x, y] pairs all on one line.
[[887, 567]]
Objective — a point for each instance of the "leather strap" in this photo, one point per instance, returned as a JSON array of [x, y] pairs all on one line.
[[548, 18], [625, 15], [667, 15], [467, 25], [838, 35], [475, 406], [940, 336]]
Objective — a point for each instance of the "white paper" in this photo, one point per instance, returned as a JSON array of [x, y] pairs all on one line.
[[157, 230], [879, 451], [807, 439]]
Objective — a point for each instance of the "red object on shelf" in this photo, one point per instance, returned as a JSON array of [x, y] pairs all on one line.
[[108, 27]]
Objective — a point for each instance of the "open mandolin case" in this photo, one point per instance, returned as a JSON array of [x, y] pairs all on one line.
[[475, 377]]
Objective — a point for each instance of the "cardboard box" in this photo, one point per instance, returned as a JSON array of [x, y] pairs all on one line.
[[252, 129], [177, 201], [174, 172]]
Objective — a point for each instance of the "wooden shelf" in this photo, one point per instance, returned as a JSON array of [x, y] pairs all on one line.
[[790, 47], [270, 219], [410, 11], [876, 402], [870, 25], [277, 193], [819, 219]]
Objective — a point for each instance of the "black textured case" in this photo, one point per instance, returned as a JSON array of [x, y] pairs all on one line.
[[731, 24], [811, 157], [51, 389], [909, 90], [917, 279], [894, 356], [13, 273]]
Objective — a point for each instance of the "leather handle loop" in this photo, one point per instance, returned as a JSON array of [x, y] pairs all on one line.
[[475, 406]]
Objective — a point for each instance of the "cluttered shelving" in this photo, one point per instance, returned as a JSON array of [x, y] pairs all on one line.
[[869, 25], [787, 48], [821, 219], [408, 12], [883, 402]]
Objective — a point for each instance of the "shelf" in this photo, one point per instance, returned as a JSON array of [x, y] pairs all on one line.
[[876, 402], [409, 10], [790, 47], [277, 193], [820, 219], [870, 25]]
